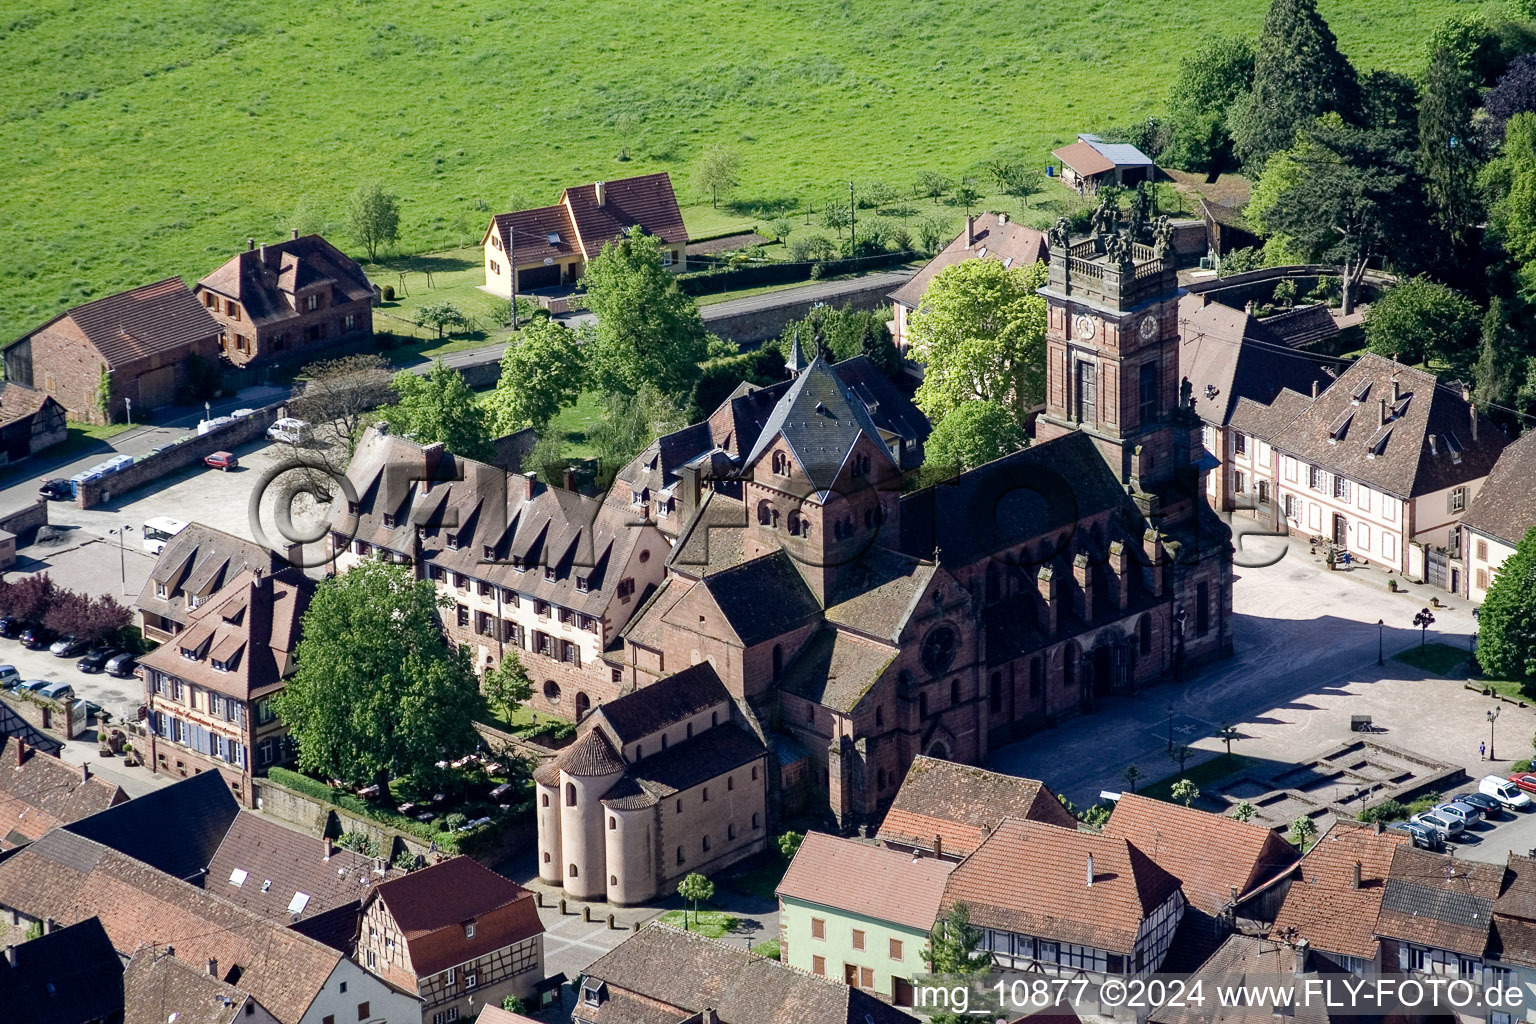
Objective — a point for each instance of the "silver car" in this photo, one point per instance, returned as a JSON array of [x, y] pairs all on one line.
[[1446, 825]]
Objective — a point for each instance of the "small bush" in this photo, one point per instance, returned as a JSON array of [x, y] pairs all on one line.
[[1387, 810], [1424, 803], [453, 822], [389, 293], [1520, 766]]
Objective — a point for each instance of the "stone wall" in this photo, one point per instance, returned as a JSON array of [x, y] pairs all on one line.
[[150, 468], [758, 325], [24, 522], [52, 717]]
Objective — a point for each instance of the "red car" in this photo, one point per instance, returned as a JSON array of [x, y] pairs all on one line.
[[222, 460], [1525, 782]]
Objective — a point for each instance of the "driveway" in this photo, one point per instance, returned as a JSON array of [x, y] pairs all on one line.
[[1305, 661]]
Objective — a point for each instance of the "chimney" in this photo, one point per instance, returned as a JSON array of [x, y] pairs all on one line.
[[938, 846], [48, 924], [250, 244], [85, 772], [1472, 410], [1090, 871], [170, 950], [1381, 417], [1434, 448], [568, 478], [213, 967], [294, 234], [1232, 894], [10, 955], [687, 492], [21, 751], [601, 188], [1396, 390], [263, 251], [1045, 581], [970, 230], [1082, 594], [326, 842], [431, 460], [1354, 875], [530, 484], [709, 1016], [1379, 827], [1314, 388]]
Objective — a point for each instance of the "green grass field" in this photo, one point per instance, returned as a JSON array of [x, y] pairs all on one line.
[[143, 138], [1441, 659]]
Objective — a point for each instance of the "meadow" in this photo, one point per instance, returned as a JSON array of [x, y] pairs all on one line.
[[144, 138]]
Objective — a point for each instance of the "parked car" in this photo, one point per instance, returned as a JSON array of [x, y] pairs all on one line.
[[11, 627], [122, 665], [35, 638], [92, 709], [1491, 808], [9, 677], [57, 691], [1505, 792], [57, 489], [222, 460], [1524, 781], [96, 661], [1425, 837], [33, 685], [1451, 827], [68, 646], [1464, 813], [290, 429]]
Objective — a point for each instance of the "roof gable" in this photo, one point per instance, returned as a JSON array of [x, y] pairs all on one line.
[[141, 322], [820, 420], [646, 200], [961, 804], [665, 702], [266, 280], [453, 912], [871, 881]]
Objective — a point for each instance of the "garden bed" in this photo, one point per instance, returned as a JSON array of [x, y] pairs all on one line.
[[1441, 659]]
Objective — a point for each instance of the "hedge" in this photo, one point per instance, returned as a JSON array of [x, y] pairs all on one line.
[[705, 282], [313, 788]]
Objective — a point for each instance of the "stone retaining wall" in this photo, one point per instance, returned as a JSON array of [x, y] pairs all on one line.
[[756, 326], [24, 522]]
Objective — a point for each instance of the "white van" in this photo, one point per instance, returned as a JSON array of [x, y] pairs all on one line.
[[1505, 792], [294, 431], [159, 530]]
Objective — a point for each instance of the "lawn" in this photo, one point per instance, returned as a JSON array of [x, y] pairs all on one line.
[[1441, 659], [712, 924], [769, 949], [762, 876], [144, 138]]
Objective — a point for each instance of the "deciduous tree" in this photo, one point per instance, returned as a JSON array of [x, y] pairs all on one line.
[[373, 218], [1509, 185], [693, 888], [1303, 831], [932, 184], [378, 693], [1214, 76], [507, 686], [1420, 318], [718, 172], [542, 372], [1298, 75], [630, 422], [980, 331], [1185, 792], [1515, 93], [443, 317], [440, 407], [971, 434], [648, 331], [789, 844], [336, 395], [1506, 627]]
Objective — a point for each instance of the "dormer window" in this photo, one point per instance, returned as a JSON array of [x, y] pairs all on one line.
[[352, 508], [159, 589], [549, 572], [469, 929], [453, 541], [389, 521], [189, 654], [553, 238], [517, 564], [490, 553], [581, 584], [220, 666], [311, 302]]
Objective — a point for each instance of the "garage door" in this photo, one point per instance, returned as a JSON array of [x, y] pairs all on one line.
[[537, 277], [157, 387]]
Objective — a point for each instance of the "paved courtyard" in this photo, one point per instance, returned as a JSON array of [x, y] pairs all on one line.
[[1305, 662]]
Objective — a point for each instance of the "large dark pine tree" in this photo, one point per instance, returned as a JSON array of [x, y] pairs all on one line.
[[1298, 75], [1447, 154]]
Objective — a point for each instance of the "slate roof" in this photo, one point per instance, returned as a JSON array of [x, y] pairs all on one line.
[[1427, 444], [993, 237], [284, 862], [585, 540], [176, 829], [196, 562], [139, 323], [157, 986], [1302, 326], [739, 592], [709, 754], [879, 591], [1323, 906], [67, 977], [44, 792], [820, 419], [1505, 506], [1227, 354], [1211, 855], [684, 970], [1031, 878], [432, 905], [590, 756], [962, 804], [71, 878], [646, 200], [1439, 901], [665, 702], [265, 281], [872, 881], [712, 541], [1013, 500], [252, 627], [835, 668]]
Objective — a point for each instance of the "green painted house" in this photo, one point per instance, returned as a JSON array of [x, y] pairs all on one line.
[[859, 913]]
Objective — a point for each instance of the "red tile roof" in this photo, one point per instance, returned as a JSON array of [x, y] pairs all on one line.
[[888, 885], [1323, 906], [43, 792], [994, 237], [266, 280], [1032, 878], [961, 804], [1084, 159], [646, 200], [433, 905], [527, 233], [1209, 854], [138, 323]]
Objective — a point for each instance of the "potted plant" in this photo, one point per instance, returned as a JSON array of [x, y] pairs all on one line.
[[1392, 584], [1332, 559]]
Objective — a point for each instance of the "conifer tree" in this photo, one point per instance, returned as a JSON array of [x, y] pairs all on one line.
[[1298, 75]]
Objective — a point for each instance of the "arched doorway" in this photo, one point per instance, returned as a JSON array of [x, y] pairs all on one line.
[[1103, 674], [939, 749], [583, 705]]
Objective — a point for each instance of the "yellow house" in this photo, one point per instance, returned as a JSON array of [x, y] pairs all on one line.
[[1499, 516], [549, 246]]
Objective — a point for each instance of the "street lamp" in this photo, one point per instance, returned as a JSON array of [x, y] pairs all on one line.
[[122, 564], [1170, 728], [1493, 716], [1381, 632]]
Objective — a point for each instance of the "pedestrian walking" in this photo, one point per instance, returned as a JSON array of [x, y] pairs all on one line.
[[1482, 751]]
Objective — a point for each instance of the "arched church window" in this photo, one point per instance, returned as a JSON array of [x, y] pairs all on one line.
[[780, 463]]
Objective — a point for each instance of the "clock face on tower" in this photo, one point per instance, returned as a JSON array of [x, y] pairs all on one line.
[[1084, 326], [1148, 327]]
